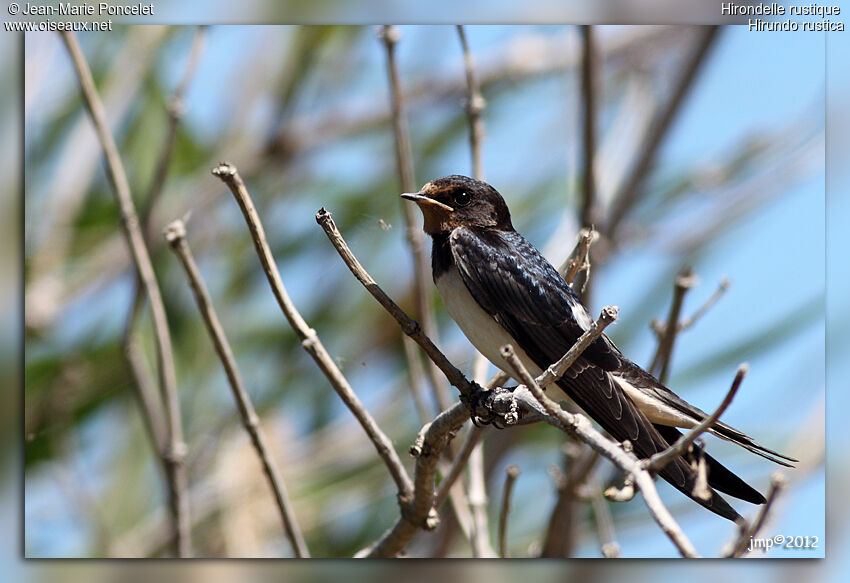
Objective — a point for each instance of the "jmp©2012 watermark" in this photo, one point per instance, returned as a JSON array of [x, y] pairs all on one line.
[[784, 541]]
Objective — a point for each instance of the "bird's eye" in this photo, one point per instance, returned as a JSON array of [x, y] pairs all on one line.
[[462, 198]]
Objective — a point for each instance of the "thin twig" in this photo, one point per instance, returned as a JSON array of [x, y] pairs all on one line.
[[309, 338], [579, 259], [423, 312], [555, 371], [560, 535], [604, 522], [681, 446], [660, 367], [622, 494], [175, 449], [747, 532], [648, 150], [415, 374], [474, 107], [146, 392], [659, 327], [511, 474], [460, 459], [589, 85], [175, 108], [579, 426], [175, 234], [408, 325], [420, 513], [709, 303], [458, 464], [477, 494]]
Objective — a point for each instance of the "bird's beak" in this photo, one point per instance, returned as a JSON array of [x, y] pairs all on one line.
[[424, 201]]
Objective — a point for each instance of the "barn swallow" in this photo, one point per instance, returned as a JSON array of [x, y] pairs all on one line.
[[501, 290]]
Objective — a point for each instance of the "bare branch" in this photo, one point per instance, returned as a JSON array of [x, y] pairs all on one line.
[[415, 374], [309, 338], [175, 449], [420, 513], [560, 534], [175, 107], [683, 444], [579, 259], [623, 494], [146, 392], [604, 522], [458, 463], [580, 427], [408, 325], [423, 313], [660, 367], [747, 532], [648, 150], [709, 303], [477, 494], [474, 106], [175, 234], [555, 371], [511, 475], [589, 85]]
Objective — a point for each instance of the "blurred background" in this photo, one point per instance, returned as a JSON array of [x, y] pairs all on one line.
[[734, 190]]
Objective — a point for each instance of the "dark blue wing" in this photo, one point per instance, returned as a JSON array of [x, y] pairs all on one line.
[[514, 283], [512, 280]]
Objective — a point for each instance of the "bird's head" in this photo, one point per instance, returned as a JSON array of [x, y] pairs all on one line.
[[459, 201]]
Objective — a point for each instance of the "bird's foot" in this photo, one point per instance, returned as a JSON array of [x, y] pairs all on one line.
[[495, 406]]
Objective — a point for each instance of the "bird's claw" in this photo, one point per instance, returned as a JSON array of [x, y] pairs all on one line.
[[485, 404]]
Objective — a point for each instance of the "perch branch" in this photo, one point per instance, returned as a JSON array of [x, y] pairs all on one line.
[[309, 338], [462, 456], [175, 448], [175, 234]]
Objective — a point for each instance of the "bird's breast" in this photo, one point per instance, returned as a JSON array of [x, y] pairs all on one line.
[[485, 333]]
